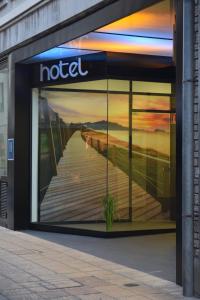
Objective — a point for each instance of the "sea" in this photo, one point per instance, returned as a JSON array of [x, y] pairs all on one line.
[[158, 141]]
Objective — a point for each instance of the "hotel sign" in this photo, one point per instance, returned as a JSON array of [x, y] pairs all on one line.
[[62, 70], [67, 70]]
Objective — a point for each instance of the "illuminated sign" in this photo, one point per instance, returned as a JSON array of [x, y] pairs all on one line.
[[62, 70]]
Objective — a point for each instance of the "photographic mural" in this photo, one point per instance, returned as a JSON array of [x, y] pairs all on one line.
[[98, 160]]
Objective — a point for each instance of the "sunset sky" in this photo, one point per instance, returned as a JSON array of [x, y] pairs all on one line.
[[151, 121], [84, 107]]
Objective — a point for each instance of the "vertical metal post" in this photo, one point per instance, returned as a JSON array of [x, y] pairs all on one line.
[[130, 152], [187, 150]]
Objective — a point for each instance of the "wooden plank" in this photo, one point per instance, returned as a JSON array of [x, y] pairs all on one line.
[[77, 191]]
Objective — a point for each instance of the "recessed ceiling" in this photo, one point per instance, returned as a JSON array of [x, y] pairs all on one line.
[[149, 32], [155, 21], [123, 44]]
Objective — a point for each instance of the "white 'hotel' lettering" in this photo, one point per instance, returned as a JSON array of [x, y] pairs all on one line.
[[73, 69]]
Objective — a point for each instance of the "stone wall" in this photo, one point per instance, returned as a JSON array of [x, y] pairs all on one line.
[[196, 146], [9, 5], [40, 18]]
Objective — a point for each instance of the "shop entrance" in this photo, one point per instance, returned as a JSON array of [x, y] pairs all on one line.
[[103, 144], [110, 169], [153, 147]]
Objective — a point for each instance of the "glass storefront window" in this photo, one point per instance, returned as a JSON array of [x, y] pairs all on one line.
[[3, 119], [104, 152], [154, 150], [151, 159], [103, 137], [72, 169]]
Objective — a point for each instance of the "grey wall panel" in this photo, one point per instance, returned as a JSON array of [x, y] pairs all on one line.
[[196, 159], [7, 6]]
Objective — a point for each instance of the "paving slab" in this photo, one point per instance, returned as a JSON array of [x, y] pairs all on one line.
[[32, 268]]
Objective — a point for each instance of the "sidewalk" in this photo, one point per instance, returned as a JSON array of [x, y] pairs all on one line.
[[33, 268]]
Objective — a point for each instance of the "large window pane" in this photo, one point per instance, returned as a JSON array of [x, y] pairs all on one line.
[[3, 119], [72, 159], [104, 155], [153, 153], [118, 155]]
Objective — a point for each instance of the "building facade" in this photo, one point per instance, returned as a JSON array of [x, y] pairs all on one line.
[[38, 70]]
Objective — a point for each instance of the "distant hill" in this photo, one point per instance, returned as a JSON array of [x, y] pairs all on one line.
[[102, 125]]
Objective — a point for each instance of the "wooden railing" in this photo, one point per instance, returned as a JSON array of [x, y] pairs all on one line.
[[54, 135]]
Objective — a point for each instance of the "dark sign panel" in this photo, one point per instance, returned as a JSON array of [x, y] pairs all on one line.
[[72, 69], [102, 65]]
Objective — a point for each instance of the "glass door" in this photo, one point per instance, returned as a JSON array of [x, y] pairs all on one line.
[[153, 152]]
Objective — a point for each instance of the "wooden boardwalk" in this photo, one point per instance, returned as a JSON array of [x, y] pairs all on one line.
[[76, 193]]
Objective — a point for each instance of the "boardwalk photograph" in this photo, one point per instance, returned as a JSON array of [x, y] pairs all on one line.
[[91, 160]]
